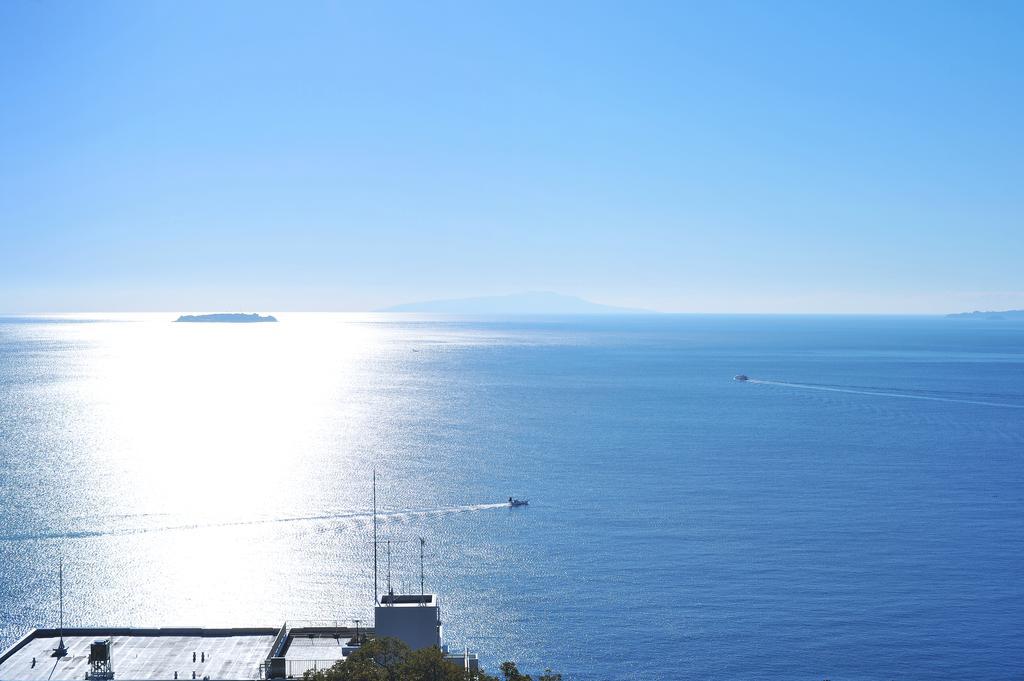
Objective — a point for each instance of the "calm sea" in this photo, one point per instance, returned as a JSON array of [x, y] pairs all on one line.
[[854, 512]]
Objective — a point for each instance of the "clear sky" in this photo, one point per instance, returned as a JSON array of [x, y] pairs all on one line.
[[721, 156]]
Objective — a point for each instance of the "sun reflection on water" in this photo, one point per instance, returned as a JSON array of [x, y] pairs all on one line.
[[220, 420]]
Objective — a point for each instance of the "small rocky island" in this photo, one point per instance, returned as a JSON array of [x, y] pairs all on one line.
[[989, 314], [226, 317]]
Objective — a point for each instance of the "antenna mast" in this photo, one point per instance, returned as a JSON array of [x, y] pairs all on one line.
[[376, 600], [422, 542], [61, 650], [390, 590]]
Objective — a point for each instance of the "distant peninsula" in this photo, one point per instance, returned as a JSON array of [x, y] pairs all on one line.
[[538, 302], [1016, 315], [226, 317]]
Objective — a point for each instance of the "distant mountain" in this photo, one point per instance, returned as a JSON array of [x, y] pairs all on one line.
[[538, 302], [990, 314], [226, 317]]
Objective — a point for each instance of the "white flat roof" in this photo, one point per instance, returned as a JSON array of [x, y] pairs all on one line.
[[144, 654]]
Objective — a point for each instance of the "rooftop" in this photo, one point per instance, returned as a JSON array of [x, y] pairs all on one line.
[[235, 654], [143, 654]]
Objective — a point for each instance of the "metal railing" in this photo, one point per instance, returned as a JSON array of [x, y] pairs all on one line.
[[294, 669]]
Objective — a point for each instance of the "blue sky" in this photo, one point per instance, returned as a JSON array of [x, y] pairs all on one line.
[[732, 157]]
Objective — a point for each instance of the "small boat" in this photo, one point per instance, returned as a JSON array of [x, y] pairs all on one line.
[[741, 377], [518, 502]]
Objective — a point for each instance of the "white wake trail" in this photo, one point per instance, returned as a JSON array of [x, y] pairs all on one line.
[[880, 393], [399, 516]]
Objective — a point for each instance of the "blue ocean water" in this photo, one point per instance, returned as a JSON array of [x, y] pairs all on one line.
[[854, 512]]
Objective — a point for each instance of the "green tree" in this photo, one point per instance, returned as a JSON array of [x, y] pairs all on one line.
[[388, 659], [428, 664], [511, 672]]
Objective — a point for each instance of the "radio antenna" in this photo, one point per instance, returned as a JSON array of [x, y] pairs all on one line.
[[391, 591], [376, 600], [61, 650]]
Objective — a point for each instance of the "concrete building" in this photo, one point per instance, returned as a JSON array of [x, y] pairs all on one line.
[[236, 654], [413, 619]]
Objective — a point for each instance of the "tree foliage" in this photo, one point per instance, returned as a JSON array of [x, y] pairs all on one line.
[[512, 673], [388, 659]]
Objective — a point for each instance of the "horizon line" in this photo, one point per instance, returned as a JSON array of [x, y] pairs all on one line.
[[645, 313]]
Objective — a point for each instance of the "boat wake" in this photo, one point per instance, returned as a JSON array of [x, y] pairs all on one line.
[[884, 392], [398, 516]]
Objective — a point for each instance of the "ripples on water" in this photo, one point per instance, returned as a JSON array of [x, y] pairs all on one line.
[[856, 515]]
